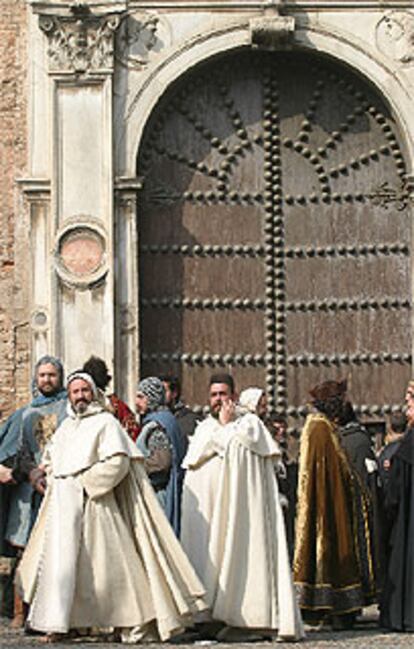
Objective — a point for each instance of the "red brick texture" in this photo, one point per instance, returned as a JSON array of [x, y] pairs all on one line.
[[14, 352]]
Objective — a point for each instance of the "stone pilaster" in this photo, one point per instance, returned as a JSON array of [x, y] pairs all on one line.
[[127, 317], [79, 46]]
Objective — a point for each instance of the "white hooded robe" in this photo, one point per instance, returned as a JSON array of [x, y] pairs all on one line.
[[102, 553], [233, 527]]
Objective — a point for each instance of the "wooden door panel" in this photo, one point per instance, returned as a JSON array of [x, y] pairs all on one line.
[[274, 232]]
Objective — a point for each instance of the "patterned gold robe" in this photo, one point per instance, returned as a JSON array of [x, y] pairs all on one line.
[[333, 564]]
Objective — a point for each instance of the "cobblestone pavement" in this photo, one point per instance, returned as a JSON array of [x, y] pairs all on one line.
[[366, 634]]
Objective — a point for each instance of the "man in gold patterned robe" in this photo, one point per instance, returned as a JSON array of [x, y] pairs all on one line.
[[334, 568]]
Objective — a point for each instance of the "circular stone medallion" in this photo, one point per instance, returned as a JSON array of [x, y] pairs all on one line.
[[81, 252]]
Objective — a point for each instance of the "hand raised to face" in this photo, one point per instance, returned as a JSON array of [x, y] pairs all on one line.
[[227, 412]]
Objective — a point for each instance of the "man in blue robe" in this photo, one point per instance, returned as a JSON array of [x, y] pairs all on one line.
[[163, 445], [22, 439]]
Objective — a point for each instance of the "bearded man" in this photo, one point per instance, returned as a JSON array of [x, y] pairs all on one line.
[[102, 553], [22, 440], [232, 527], [187, 418], [334, 562]]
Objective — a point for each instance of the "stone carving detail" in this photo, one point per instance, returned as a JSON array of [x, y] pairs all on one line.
[[395, 35], [128, 319], [80, 253], [271, 33], [139, 36], [80, 42]]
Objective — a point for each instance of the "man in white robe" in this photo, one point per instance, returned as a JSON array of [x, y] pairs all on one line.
[[102, 553], [232, 522]]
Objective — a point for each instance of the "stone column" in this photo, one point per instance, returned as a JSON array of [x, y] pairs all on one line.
[[80, 260]]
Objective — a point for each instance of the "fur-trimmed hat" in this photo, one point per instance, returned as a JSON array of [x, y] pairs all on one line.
[[328, 390]]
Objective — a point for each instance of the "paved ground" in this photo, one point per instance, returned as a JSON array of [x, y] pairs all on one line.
[[365, 635]]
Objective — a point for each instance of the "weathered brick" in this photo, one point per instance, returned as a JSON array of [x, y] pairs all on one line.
[[14, 339]]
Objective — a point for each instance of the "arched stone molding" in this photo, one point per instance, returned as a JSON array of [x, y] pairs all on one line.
[[315, 37]]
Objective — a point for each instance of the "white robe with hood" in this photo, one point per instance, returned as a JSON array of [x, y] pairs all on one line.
[[233, 527], [102, 553]]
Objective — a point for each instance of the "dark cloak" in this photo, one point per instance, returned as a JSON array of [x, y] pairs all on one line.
[[397, 607]]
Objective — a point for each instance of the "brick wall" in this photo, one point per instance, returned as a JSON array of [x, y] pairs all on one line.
[[14, 356]]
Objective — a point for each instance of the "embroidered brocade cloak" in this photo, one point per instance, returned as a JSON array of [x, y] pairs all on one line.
[[333, 563]]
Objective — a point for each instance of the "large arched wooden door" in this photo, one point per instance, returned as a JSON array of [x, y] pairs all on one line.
[[274, 232]]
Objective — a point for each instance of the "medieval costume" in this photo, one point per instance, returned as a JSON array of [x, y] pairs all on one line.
[[187, 418], [233, 529], [356, 442], [397, 428], [102, 553], [163, 446], [124, 414], [23, 438], [98, 370], [334, 568], [397, 606]]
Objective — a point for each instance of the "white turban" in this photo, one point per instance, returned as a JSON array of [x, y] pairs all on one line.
[[84, 376], [249, 399]]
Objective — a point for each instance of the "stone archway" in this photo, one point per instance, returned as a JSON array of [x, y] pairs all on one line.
[[275, 213]]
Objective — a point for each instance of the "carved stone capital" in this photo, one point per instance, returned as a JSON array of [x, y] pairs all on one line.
[[271, 32], [80, 42]]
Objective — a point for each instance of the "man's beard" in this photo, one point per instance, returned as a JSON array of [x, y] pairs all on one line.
[[215, 412], [48, 390], [80, 407]]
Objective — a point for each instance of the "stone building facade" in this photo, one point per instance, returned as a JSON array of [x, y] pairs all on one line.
[[118, 156]]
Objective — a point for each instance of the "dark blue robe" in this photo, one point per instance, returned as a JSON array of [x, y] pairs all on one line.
[[22, 440], [179, 448]]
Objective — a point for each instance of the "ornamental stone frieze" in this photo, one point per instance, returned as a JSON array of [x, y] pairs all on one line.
[[80, 41]]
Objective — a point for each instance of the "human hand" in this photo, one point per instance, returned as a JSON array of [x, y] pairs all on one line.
[[37, 479], [6, 476], [227, 412]]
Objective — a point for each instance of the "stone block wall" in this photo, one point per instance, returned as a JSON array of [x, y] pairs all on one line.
[[14, 352]]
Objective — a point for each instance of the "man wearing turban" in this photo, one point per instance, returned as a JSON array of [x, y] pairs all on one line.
[[102, 553], [164, 446], [333, 564]]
